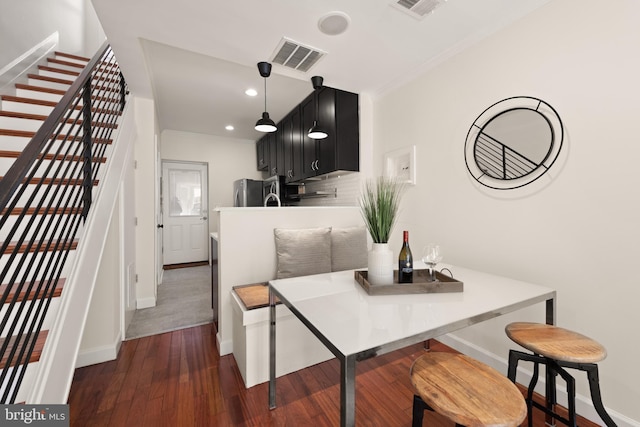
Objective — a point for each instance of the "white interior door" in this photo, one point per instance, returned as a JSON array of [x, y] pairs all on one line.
[[185, 212]]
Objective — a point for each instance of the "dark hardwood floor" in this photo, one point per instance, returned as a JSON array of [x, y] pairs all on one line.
[[178, 379]]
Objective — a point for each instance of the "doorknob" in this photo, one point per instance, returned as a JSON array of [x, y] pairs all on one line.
[[160, 226], [203, 218]]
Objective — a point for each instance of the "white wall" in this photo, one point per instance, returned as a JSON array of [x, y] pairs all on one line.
[[578, 233], [228, 159], [145, 184], [23, 24], [101, 338]]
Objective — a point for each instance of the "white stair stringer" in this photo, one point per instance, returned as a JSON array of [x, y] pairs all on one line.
[[55, 370]]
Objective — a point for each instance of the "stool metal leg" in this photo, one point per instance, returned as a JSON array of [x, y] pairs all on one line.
[[514, 357], [532, 386], [556, 369], [553, 368], [596, 398], [551, 398], [418, 411]]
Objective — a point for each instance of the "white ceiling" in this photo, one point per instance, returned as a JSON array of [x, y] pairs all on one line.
[[197, 57]]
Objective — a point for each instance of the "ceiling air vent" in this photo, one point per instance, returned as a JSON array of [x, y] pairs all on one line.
[[295, 55], [417, 8]]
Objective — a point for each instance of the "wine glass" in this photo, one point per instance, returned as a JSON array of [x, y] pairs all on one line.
[[432, 255]]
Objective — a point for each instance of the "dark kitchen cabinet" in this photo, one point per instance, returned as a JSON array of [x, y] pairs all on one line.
[[272, 153], [262, 153], [337, 113], [291, 153], [308, 145], [291, 126]]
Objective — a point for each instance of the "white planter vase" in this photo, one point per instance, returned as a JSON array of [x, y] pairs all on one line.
[[380, 265]]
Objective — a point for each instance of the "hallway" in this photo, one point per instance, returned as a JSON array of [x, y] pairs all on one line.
[[184, 300]]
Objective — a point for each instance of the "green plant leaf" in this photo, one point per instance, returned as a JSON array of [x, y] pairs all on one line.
[[379, 203]]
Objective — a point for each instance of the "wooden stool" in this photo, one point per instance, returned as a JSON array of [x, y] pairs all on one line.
[[464, 390], [557, 348]]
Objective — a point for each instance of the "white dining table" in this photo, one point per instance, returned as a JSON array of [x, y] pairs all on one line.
[[355, 326]]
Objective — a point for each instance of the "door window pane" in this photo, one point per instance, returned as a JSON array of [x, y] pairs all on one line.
[[185, 189]]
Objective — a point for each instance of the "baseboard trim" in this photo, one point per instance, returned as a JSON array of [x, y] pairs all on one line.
[[99, 354], [185, 265], [224, 347], [145, 303], [584, 407]]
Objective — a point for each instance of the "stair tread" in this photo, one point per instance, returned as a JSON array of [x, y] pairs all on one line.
[[23, 295], [56, 91], [50, 79], [35, 88], [58, 70], [42, 117], [22, 248], [43, 210], [15, 154], [66, 63], [26, 100], [37, 349], [72, 56], [34, 101], [31, 134], [54, 181], [40, 89]]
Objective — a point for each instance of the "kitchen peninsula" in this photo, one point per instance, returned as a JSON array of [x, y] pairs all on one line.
[[246, 250]]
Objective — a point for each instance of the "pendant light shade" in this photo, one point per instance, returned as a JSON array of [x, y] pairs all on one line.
[[316, 131], [265, 124]]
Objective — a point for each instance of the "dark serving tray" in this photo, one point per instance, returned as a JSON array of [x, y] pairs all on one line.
[[420, 285]]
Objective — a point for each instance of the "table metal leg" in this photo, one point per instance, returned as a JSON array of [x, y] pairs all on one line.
[[272, 349], [550, 385], [348, 391], [551, 311]]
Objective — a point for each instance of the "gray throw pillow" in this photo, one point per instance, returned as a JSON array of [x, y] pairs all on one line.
[[302, 252], [348, 248]]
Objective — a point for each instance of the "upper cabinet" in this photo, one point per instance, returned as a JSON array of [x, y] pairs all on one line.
[[299, 157], [262, 153], [338, 115], [292, 145], [269, 154]]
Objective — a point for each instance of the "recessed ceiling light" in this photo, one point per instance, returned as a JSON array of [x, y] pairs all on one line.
[[251, 92], [229, 127]]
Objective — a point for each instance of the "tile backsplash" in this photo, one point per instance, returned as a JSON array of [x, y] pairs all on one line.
[[344, 189]]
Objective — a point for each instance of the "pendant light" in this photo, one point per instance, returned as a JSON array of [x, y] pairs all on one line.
[[316, 131], [265, 124]]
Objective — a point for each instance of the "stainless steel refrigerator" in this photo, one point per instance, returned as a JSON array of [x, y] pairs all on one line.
[[247, 192]]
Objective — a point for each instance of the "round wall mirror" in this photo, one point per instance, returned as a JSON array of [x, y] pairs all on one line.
[[513, 142]]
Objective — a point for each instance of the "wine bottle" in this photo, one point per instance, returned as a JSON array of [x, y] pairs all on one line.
[[405, 261]]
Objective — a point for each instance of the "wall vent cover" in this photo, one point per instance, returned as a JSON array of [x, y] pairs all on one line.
[[297, 56], [417, 8]]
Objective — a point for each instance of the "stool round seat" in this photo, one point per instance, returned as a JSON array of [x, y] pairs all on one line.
[[555, 342], [467, 391]]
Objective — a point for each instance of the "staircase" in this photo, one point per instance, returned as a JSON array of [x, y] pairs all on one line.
[[55, 137]]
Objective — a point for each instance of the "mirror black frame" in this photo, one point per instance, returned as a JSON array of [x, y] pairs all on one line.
[[504, 177]]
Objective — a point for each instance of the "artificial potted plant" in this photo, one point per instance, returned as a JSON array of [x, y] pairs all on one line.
[[379, 203]]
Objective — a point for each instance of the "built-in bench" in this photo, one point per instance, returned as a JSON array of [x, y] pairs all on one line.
[[298, 251]]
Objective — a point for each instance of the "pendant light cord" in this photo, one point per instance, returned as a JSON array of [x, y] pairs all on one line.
[[265, 94]]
